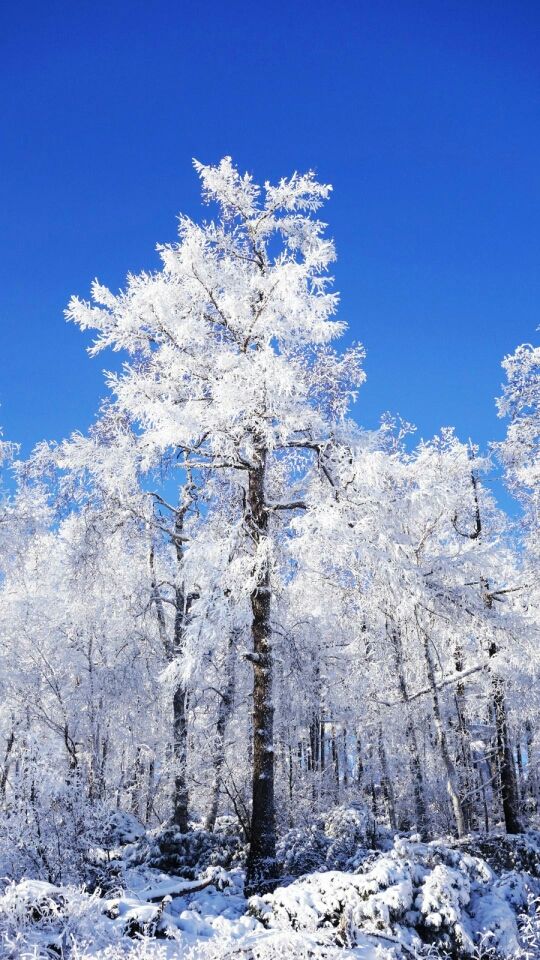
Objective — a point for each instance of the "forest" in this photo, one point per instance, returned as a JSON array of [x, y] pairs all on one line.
[[269, 680]]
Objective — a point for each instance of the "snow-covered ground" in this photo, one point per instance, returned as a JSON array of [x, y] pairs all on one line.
[[415, 899]]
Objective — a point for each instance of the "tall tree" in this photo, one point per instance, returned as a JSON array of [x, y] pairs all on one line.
[[229, 366]]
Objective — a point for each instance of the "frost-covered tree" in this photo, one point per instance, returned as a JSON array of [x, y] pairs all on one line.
[[230, 370], [520, 403], [412, 578], [80, 657], [520, 455]]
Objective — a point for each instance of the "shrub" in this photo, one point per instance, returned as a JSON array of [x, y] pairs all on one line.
[[189, 854], [339, 840]]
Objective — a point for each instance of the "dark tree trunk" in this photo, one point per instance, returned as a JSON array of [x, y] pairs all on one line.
[[180, 816], [345, 763], [261, 866], [183, 602], [505, 760], [7, 762], [335, 763], [290, 780], [150, 791], [315, 743], [410, 735], [532, 779], [463, 754], [359, 766], [386, 783]]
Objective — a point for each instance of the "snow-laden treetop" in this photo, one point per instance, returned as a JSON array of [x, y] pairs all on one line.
[[229, 340]]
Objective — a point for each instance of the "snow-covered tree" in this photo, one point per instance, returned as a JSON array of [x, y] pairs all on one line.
[[231, 370], [520, 403]]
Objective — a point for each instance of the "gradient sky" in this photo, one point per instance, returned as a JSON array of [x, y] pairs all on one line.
[[425, 117]]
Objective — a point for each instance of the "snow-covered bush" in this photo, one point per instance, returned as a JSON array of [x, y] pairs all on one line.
[[121, 828], [338, 840], [352, 832], [52, 829], [38, 919], [421, 895], [504, 852], [188, 854], [529, 922], [49, 829], [418, 899], [303, 850]]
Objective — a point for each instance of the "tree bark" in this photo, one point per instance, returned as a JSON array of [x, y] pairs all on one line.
[[335, 763], [386, 783], [532, 779], [173, 651], [345, 763], [183, 602], [136, 785], [261, 866], [505, 760], [410, 735], [150, 790], [224, 712], [180, 816], [359, 765], [463, 760], [7, 762]]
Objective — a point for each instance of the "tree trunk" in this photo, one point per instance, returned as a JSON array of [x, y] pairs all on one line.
[[410, 735], [386, 783], [335, 763], [180, 816], [509, 793], [150, 791], [505, 760], [7, 762], [173, 651], [451, 776], [261, 866], [290, 782], [225, 708], [345, 763], [359, 766], [464, 760], [532, 779], [315, 743], [137, 784], [183, 602]]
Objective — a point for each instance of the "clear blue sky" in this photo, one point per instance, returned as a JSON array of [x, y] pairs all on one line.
[[424, 115]]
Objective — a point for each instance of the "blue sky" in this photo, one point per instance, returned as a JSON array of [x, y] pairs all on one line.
[[425, 117]]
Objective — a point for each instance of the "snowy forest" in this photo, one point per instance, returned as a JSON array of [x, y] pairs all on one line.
[[269, 680]]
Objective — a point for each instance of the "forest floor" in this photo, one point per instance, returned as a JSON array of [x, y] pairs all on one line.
[[478, 898]]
